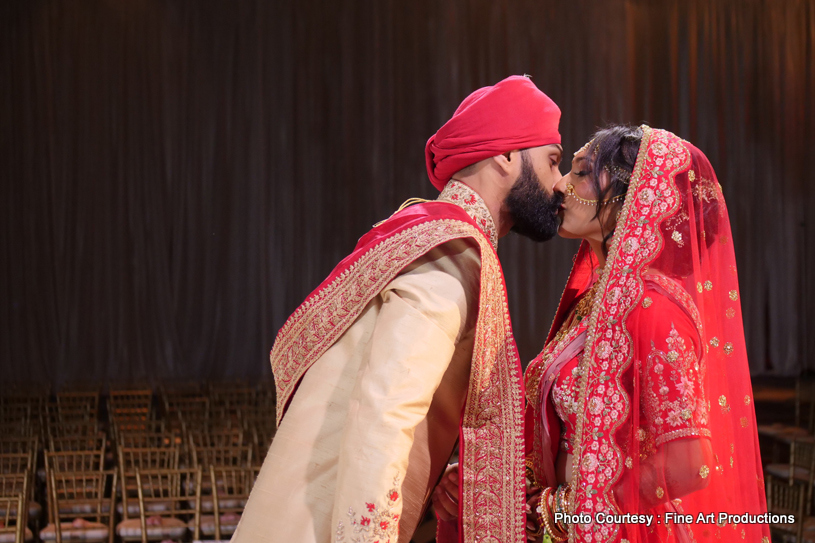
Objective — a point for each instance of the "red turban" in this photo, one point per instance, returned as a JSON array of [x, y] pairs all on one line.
[[513, 114]]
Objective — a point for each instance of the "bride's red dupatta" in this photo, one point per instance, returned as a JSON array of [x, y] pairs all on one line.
[[666, 425]]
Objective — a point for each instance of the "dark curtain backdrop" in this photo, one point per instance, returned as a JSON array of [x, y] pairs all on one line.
[[178, 175]]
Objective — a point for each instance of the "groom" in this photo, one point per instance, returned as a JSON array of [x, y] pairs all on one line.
[[407, 347]]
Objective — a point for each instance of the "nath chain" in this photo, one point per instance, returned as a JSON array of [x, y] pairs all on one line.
[[570, 192]]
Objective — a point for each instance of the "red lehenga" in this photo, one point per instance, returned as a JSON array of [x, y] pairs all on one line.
[[651, 393]]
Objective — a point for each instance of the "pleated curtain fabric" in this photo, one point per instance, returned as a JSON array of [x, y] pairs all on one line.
[[177, 176]]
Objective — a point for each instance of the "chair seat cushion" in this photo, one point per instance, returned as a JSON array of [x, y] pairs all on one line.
[[80, 508], [782, 471], [779, 429], [78, 530], [158, 527], [34, 511], [152, 507], [229, 522], [223, 503], [10, 537]]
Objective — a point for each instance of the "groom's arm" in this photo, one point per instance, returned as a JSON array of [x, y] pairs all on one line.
[[424, 312]]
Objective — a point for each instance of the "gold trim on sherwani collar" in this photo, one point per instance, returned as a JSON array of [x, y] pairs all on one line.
[[470, 201]]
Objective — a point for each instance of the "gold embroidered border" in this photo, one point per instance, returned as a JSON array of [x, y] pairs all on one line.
[[493, 467], [685, 432]]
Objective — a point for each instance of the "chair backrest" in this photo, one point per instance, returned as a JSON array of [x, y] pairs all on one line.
[[15, 463], [234, 399], [15, 413], [12, 484], [146, 458], [802, 455], [19, 429], [73, 428], [235, 457], [130, 403], [75, 461], [19, 444], [94, 442], [84, 491], [15, 493], [186, 405], [148, 440], [226, 437], [78, 405]]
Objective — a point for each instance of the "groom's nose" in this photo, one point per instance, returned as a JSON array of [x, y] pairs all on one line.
[[560, 184]]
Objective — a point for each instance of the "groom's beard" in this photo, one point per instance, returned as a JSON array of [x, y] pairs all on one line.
[[533, 210]]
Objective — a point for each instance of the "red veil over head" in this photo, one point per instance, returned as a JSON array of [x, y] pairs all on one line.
[[666, 422]]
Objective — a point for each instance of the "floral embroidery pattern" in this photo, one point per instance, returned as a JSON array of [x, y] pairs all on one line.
[[377, 524], [674, 401]]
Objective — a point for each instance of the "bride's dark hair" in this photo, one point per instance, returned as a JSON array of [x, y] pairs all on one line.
[[614, 150]]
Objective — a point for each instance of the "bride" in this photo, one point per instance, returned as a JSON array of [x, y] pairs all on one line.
[[639, 423]]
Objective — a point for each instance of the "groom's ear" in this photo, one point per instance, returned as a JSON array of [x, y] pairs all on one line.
[[508, 162]]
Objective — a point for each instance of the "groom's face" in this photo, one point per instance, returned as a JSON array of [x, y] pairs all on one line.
[[531, 202]]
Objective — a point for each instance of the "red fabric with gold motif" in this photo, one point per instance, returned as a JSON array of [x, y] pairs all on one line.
[[660, 416]]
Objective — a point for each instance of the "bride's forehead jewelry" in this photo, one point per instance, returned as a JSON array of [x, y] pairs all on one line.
[[620, 173], [586, 202], [584, 148]]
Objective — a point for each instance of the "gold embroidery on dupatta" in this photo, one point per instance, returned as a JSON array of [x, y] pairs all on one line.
[[625, 287], [492, 511]]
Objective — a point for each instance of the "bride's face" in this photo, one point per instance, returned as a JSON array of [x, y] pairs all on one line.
[[578, 213]]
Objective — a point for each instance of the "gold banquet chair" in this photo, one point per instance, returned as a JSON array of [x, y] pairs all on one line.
[[779, 433], [15, 493], [801, 464], [789, 489], [179, 493], [230, 491], [148, 458], [79, 508], [12, 527], [13, 464]]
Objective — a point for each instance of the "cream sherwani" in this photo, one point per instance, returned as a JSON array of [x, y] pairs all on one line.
[[374, 420]]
